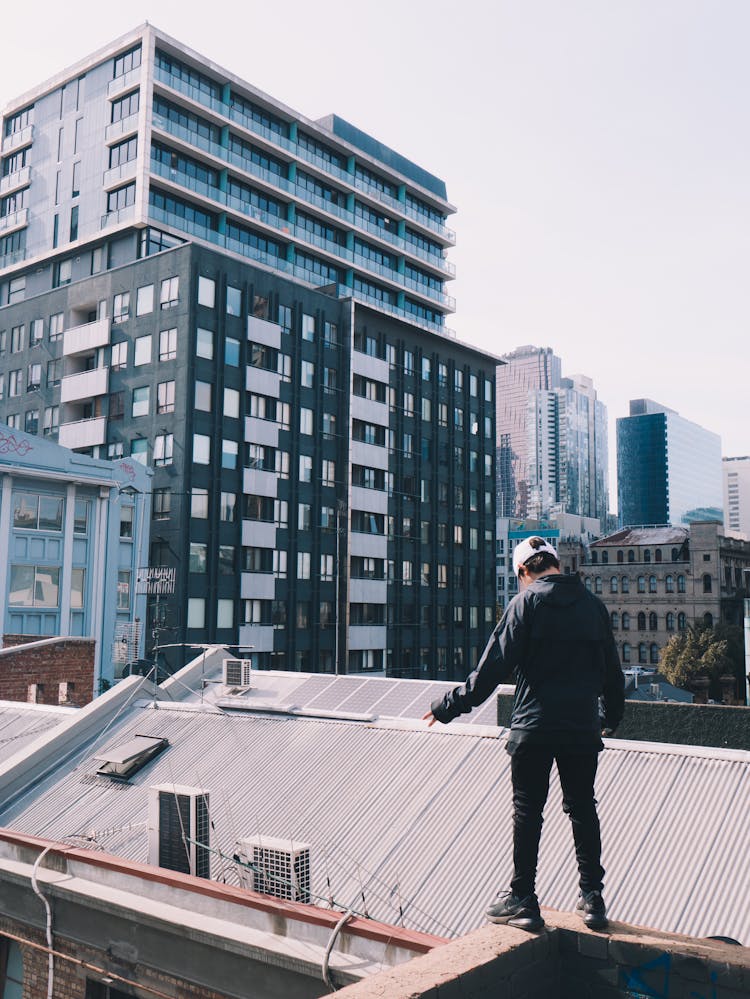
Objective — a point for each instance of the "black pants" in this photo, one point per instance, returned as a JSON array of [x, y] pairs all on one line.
[[530, 768]]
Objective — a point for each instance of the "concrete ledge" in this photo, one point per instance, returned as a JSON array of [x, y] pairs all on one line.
[[567, 961]]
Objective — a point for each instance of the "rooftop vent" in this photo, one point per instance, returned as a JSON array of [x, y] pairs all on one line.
[[179, 829], [121, 762], [655, 689], [280, 867], [238, 672]]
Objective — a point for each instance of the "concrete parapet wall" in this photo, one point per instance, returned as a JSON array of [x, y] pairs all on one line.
[[567, 961]]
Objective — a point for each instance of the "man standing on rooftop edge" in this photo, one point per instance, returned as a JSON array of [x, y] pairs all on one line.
[[557, 639]]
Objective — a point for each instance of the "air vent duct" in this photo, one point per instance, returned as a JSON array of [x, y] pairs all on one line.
[[280, 867]]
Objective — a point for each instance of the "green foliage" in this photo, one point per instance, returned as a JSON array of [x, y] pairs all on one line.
[[702, 651]]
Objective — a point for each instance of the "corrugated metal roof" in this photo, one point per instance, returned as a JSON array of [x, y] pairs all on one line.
[[419, 821], [22, 723]]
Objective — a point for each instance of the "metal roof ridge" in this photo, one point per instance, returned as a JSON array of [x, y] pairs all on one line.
[[679, 749]]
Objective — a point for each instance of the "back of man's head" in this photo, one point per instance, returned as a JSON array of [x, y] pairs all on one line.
[[540, 563]]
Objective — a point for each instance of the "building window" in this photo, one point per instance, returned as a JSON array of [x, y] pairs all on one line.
[[654, 654], [168, 345], [681, 621], [229, 453], [139, 450], [198, 557], [305, 420], [652, 584], [642, 653], [626, 652], [144, 300], [123, 589], [206, 292], [598, 584], [614, 618], [32, 512], [142, 350], [34, 586], [232, 352], [653, 622], [201, 449], [121, 198], [328, 472], [204, 345], [203, 396], [680, 584], [119, 358], [33, 377], [224, 613], [199, 503], [196, 616], [120, 308], [162, 503], [165, 397], [228, 507], [31, 421], [625, 621], [56, 325], [231, 403], [613, 584], [303, 565], [234, 301], [669, 584], [141, 400], [670, 621], [707, 582], [163, 449], [169, 292], [641, 584], [308, 328]]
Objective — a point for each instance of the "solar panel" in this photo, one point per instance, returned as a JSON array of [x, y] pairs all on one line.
[[310, 688], [365, 697], [423, 698], [396, 700], [331, 698]]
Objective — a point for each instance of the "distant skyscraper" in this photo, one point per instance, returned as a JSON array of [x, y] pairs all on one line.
[[668, 469], [737, 496], [567, 457], [552, 439], [525, 370]]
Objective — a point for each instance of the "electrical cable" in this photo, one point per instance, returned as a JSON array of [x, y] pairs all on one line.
[[48, 910]]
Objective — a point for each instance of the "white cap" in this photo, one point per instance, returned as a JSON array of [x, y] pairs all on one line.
[[528, 547]]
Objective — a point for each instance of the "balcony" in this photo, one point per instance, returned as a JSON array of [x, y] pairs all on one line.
[[85, 339], [124, 82], [121, 128], [83, 433], [18, 139], [84, 385], [263, 331], [258, 533], [13, 221], [116, 218], [16, 180], [119, 174]]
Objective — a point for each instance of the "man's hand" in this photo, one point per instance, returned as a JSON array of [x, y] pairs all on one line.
[[429, 718]]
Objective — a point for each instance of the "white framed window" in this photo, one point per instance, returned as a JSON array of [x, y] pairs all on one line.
[[141, 397], [206, 292], [231, 403], [201, 449], [165, 397], [303, 565], [168, 345], [204, 343], [169, 293], [305, 421], [142, 350], [199, 503], [119, 357], [224, 613], [203, 396], [196, 616], [163, 449], [144, 300]]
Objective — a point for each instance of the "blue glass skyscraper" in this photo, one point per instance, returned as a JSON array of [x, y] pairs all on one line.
[[668, 469]]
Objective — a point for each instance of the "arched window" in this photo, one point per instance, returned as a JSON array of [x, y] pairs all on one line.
[[653, 623], [675, 554], [681, 622], [647, 555], [654, 654], [706, 582], [587, 583], [657, 554], [680, 583], [626, 584], [613, 584], [625, 621], [708, 620], [615, 619], [642, 652], [594, 557], [631, 555], [641, 584], [669, 583], [652, 584], [626, 652], [670, 621], [598, 584], [620, 556], [605, 557], [641, 621]]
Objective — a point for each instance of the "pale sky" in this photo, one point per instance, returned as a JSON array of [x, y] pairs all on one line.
[[597, 151]]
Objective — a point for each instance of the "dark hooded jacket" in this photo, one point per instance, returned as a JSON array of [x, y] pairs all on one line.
[[555, 639]]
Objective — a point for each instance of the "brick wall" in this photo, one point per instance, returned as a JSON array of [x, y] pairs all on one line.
[[566, 961], [70, 976], [70, 660]]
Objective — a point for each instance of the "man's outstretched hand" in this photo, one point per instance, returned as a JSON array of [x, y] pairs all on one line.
[[429, 718]]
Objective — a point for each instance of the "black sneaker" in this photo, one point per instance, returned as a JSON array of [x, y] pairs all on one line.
[[521, 912], [592, 909]]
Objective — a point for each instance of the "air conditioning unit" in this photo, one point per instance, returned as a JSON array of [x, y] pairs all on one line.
[[279, 867], [179, 829], [238, 672]]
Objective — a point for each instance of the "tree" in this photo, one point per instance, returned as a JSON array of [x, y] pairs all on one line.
[[703, 651]]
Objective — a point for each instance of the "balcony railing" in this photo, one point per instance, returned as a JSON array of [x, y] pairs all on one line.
[[116, 175], [15, 180], [83, 433], [86, 338], [124, 82], [15, 220], [84, 385], [124, 126], [17, 140]]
